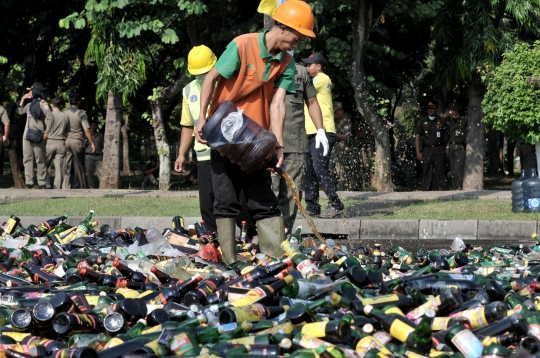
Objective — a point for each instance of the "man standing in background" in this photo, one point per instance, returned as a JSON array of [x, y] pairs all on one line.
[[295, 142], [78, 129], [57, 128], [93, 159], [317, 164]]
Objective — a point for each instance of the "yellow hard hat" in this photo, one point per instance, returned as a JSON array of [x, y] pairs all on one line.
[[201, 60], [297, 15]]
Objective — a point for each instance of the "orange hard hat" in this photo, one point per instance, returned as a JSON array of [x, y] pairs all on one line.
[[297, 15]]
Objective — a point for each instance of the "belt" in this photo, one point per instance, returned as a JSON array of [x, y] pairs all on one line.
[[434, 145], [457, 143]]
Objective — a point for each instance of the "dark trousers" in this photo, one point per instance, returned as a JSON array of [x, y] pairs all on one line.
[[207, 198], [457, 165], [317, 172], [229, 180], [434, 158]]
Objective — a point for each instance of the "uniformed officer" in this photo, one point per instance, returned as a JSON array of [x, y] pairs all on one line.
[[295, 142], [4, 130], [455, 150], [93, 159], [431, 137], [57, 129], [37, 113], [75, 155], [340, 153]]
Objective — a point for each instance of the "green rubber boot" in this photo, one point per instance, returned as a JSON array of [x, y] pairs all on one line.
[[226, 229], [271, 232]]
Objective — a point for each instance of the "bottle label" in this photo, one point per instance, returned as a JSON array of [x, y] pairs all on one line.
[[351, 353], [317, 329], [252, 296], [421, 310], [10, 226], [533, 203], [410, 354], [461, 277], [307, 268], [369, 343], [247, 269], [181, 344], [467, 343], [113, 343], [400, 330], [382, 336], [474, 315], [311, 342], [439, 323], [285, 328], [244, 340], [534, 330], [380, 299], [249, 313]]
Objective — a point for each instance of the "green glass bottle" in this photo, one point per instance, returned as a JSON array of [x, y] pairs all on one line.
[[420, 340]]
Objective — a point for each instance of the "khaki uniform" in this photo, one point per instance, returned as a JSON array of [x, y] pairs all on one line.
[[93, 160], [456, 145], [35, 151], [296, 145], [340, 154], [57, 127], [75, 156], [4, 119]]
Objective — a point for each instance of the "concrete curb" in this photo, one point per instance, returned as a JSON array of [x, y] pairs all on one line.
[[356, 228]]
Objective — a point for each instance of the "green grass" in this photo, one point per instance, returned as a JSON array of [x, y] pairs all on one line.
[[460, 210]]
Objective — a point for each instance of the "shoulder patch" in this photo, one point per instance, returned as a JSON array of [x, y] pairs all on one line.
[[314, 80], [193, 98], [251, 66]]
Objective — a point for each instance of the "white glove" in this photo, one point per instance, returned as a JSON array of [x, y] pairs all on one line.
[[320, 138]]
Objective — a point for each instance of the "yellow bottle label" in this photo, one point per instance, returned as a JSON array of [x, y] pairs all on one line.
[[154, 329], [380, 299], [285, 328], [400, 330], [440, 323], [395, 310], [341, 260], [317, 329], [144, 294], [475, 316], [17, 336], [181, 344], [369, 343], [510, 312], [246, 270], [252, 296], [421, 310], [410, 354], [243, 340], [310, 342], [127, 292], [249, 313], [153, 345], [113, 343], [10, 226], [92, 300]]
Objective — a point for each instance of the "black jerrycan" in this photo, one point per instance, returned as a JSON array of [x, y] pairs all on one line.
[[238, 138], [531, 193], [518, 204]]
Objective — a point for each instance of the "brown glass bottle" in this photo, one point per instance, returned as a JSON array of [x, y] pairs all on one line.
[[130, 274], [100, 279]]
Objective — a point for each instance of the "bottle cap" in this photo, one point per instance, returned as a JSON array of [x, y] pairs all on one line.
[[153, 269]]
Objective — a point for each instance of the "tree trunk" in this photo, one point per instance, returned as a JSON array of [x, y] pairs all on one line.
[[160, 134], [383, 153], [110, 167], [18, 178], [162, 145], [474, 159], [125, 146]]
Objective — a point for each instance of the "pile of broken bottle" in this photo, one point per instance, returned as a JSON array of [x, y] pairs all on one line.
[[89, 291]]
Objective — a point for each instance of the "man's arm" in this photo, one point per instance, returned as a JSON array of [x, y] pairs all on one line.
[[88, 135], [207, 91], [6, 132], [277, 118], [186, 138], [418, 152], [315, 112]]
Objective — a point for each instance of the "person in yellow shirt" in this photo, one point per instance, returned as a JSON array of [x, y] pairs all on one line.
[[317, 163]]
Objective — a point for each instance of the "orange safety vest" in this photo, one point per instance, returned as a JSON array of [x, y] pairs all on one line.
[[246, 89]]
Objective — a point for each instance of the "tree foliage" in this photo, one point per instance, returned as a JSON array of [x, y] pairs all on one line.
[[512, 100]]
